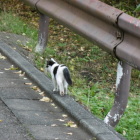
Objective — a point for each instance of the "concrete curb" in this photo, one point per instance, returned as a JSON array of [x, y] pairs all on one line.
[[84, 118]]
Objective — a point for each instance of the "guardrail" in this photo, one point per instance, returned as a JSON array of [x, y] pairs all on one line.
[[110, 28]]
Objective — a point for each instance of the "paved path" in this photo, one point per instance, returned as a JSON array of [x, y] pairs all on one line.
[[24, 117]]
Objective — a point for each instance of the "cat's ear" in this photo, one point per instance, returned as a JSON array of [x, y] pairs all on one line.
[[53, 60]]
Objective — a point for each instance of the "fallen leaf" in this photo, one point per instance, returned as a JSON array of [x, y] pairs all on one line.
[[42, 93], [34, 88], [64, 115], [45, 99], [28, 83], [53, 104], [18, 72], [1, 120], [2, 57], [11, 68], [69, 133], [71, 124], [27, 48], [6, 68], [54, 125], [60, 120], [74, 126], [22, 74], [42, 69]]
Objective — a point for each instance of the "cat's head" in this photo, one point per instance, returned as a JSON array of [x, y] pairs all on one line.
[[50, 62]]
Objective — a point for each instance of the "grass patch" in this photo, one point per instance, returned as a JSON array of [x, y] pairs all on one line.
[[93, 71], [11, 23]]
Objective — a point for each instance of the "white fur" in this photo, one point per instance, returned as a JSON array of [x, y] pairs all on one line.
[[59, 82]]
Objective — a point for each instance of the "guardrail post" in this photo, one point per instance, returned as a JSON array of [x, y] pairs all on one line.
[[43, 33], [121, 95]]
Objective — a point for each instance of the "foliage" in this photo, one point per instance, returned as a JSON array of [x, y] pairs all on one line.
[[138, 8], [127, 6]]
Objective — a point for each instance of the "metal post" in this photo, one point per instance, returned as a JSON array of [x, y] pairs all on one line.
[[121, 95], [43, 33]]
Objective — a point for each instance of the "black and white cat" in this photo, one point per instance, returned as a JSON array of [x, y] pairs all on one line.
[[60, 76]]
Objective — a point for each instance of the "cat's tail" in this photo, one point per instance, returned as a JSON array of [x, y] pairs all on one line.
[[67, 76]]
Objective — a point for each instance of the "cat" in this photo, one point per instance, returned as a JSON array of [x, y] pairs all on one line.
[[60, 76]]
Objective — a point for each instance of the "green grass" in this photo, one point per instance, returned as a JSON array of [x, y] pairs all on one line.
[[11, 23], [93, 71]]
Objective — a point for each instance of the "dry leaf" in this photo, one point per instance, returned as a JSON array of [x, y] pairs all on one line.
[[27, 48], [37, 89], [1, 120], [69, 133], [74, 126], [2, 57], [22, 74], [45, 99], [18, 72], [34, 88], [6, 68], [28, 83], [60, 120], [11, 68], [42, 93], [42, 69], [54, 125], [71, 124], [53, 104], [64, 115]]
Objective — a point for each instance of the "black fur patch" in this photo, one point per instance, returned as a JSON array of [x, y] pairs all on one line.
[[55, 70], [50, 63], [67, 76]]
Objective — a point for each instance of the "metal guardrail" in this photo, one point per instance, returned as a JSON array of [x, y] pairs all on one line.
[[108, 27]]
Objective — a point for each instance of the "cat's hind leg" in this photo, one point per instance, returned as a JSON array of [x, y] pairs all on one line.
[[65, 87], [61, 88], [55, 85]]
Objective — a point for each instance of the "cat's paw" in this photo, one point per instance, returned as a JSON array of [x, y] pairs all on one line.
[[62, 93]]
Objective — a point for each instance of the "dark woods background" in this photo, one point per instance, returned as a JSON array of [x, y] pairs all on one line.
[[17, 6]]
